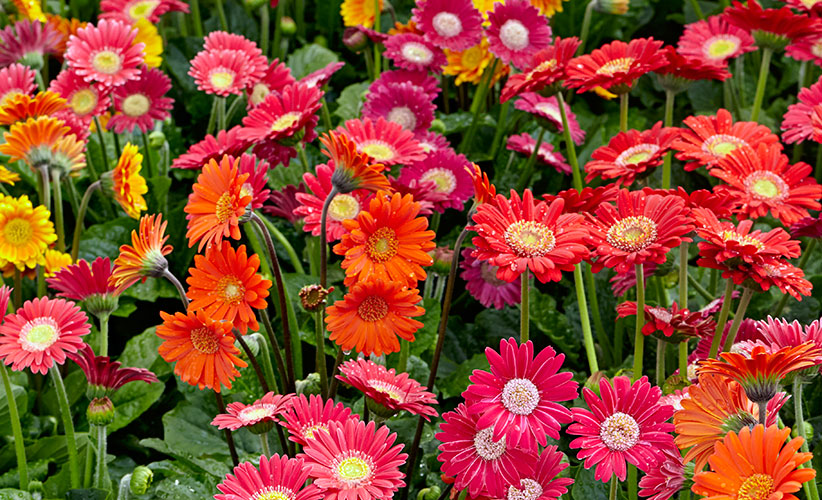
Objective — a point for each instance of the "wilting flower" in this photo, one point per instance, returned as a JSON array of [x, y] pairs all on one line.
[[714, 41], [631, 155], [105, 376], [482, 282], [276, 475], [386, 142], [671, 324], [615, 66], [139, 103], [403, 103], [517, 31], [547, 69], [259, 417], [307, 416], [449, 24], [25, 232], [390, 392], [105, 53], [145, 257], [227, 142]]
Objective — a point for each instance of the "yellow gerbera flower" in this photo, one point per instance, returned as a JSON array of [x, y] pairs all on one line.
[[486, 6], [22, 106], [30, 9], [44, 142], [127, 183], [548, 7], [55, 260], [356, 12], [469, 64], [25, 232], [7, 176], [153, 43]]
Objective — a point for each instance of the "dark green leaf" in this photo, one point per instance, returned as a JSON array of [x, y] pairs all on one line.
[[102, 240], [426, 337], [21, 398], [587, 488], [453, 385], [90, 494], [350, 101], [310, 58]]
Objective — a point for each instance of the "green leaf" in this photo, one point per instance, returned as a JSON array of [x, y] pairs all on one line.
[[89, 494], [188, 429], [102, 240], [426, 337], [456, 122], [151, 290], [132, 400], [12, 494], [158, 187], [309, 59], [183, 486], [588, 488], [141, 352], [21, 398], [554, 324], [350, 101], [453, 385], [37, 472]]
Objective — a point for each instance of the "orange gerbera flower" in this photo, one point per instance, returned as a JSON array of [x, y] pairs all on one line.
[[128, 185], [217, 203], [484, 191], [372, 314], [202, 348], [66, 27], [713, 408], [22, 106], [44, 142], [225, 285], [388, 241], [352, 169], [755, 465], [145, 257]]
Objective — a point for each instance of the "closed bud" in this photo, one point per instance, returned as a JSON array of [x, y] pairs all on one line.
[[438, 126], [611, 6], [354, 39], [312, 297], [156, 139], [288, 26], [141, 479], [100, 412], [311, 385]]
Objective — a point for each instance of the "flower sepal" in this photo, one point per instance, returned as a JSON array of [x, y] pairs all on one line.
[[100, 412]]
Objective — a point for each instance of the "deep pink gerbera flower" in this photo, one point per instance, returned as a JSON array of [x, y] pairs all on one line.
[[221, 72], [449, 24], [797, 124], [671, 324], [26, 42], [482, 283], [424, 192], [384, 141], [85, 99], [809, 227], [544, 483], [779, 333], [105, 376], [139, 103], [621, 283], [307, 416], [403, 103], [284, 117], [16, 79], [547, 108], [525, 144], [256, 185], [519, 399], [714, 41], [40, 334], [631, 155], [413, 52], [282, 203], [432, 141], [807, 48], [80, 281], [131, 11], [355, 461], [257, 63], [625, 423], [318, 79], [227, 142], [275, 79], [517, 32], [105, 53], [277, 477], [343, 206], [665, 480], [447, 170], [260, 416], [421, 79], [387, 389], [477, 462]]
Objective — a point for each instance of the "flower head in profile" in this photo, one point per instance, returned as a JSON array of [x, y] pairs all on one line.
[[226, 142], [666, 480], [414, 52], [449, 24], [770, 28], [45, 141], [26, 42], [127, 183], [482, 283], [343, 206], [25, 232], [89, 283], [105, 53], [145, 257], [681, 71], [714, 41], [615, 66], [546, 110], [352, 169], [139, 103], [405, 104], [517, 32], [105, 376], [389, 391], [631, 155], [308, 416], [672, 324], [259, 417], [276, 477], [385, 142], [23, 106]]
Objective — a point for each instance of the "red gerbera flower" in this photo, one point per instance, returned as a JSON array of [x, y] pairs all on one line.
[[797, 124], [139, 103], [783, 275], [681, 71], [671, 324], [283, 202], [615, 66], [384, 141], [276, 477], [548, 68], [105, 53], [286, 117], [307, 416], [810, 227], [389, 391], [587, 200], [260, 416], [631, 155], [105, 376], [516, 32], [812, 6], [227, 142], [714, 41], [771, 28], [276, 78]]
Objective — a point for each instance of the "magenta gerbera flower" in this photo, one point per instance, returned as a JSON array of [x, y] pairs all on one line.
[[131, 11], [257, 63], [227, 142], [256, 185], [421, 79], [275, 79], [714, 41], [797, 124], [547, 108], [477, 462], [85, 99], [482, 283], [309, 415], [277, 477], [625, 424], [16, 79], [139, 103], [413, 52], [286, 116], [525, 144], [105, 376], [517, 32], [26, 42], [260, 416], [665, 480], [87, 283], [387, 389], [447, 170], [432, 141], [449, 24], [105, 53], [344, 205], [401, 103], [355, 461], [386, 142], [318, 79], [544, 483], [519, 399], [221, 72]]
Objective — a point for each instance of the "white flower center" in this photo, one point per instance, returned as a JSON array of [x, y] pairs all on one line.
[[514, 35], [136, 105], [38, 334], [417, 53], [444, 179], [447, 25], [485, 447], [619, 432], [531, 490], [258, 93], [256, 413], [520, 396], [404, 117]]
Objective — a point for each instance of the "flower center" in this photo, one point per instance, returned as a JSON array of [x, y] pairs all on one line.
[[378, 150], [810, 3], [372, 308], [531, 490], [514, 35], [221, 78], [549, 111], [756, 487], [445, 179], [309, 430], [343, 206], [661, 314], [471, 57], [256, 413], [447, 24], [722, 144], [417, 53], [273, 493], [286, 121], [403, 116], [258, 93], [530, 238], [224, 208], [18, 232], [83, 101], [136, 105], [742, 239], [485, 447], [816, 49], [763, 185], [619, 432], [142, 9], [632, 234], [621, 65], [636, 154], [391, 390], [10, 94], [231, 290], [543, 66], [720, 46], [107, 61], [520, 396], [354, 470], [488, 273], [382, 245], [204, 341], [39, 334]]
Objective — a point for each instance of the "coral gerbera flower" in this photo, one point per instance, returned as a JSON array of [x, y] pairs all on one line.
[[626, 425], [547, 69], [85, 99], [220, 72], [139, 103], [517, 32], [355, 460], [771, 28], [217, 203], [41, 333], [797, 124], [714, 41], [449, 24], [276, 78], [202, 348], [257, 63], [681, 72], [384, 141], [525, 144], [307, 416], [359, 12], [755, 463], [783, 275], [547, 109], [615, 66], [105, 53], [105, 376], [372, 314], [127, 183], [343, 206], [25, 232], [260, 416], [584, 201], [519, 398], [286, 116], [227, 142], [631, 155], [403, 103], [413, 52], [469, 65], [352, 169], [482, 282], [145, 257], [448, 172], [16, 79], [778, 332], [44, 141], [671, 324], [276, 477], [22, 106], [389, 392], [89, 283], [388, 242]]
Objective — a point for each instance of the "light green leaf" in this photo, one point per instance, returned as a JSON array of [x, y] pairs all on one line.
[[310, 58]]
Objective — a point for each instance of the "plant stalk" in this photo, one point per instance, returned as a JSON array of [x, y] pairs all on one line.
[[723, 318], [232, 450], [16, 429], [570, 147], [319, 339], [639, 337], [587, 337], [59, 225], [623, 112], [669, 120], [68, 424], [761, 83], [524, 319], [747, 293]]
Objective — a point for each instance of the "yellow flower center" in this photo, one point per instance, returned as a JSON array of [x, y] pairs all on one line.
[[343, 206], [107, 62], [18, 232], [378, 150], [632, 234], [382, 245], [742, 239], [221, 79], [83, 101], [443, 178], [355, 470], [486, 447], [285, 121], [756, 487], [471, 57], [530, 238], [224, 208], [721, 46], [273, 493], [763, 185], [391, 390], [619, 432], [621, 65], [142, 9], [258, 93], [202, 339], [309, 431], [722, 144], [136, 105], [231, 290], [810, 3], [372, 308], [636, 154], [543, 66], [38, 334]]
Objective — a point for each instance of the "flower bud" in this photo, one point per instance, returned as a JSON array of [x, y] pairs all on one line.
[[438, 126], [100, 412], [156, 139], [354, 39], [311, 385], [288, 26], [312, 297], [141, 479], [612, 6], [101, 304]]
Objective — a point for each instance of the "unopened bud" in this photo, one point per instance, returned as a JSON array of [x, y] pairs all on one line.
[[313, 297], [100, 412], [141, 479], [156, 139], [354, 39], [288, 26]]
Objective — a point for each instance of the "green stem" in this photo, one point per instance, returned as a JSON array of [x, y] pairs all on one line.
[[59, 224], [103, 151], [304, 158], [632, 482], [117, 150], [68, 424], [660, 362], [713, 284], [16, 429], [255, 364], [697, 9], [103, 334], [593, 366], [501, 127], [612, 493], [179, 286], [265, 356], [282, 240], [586, 26], [45, 187], [232, 450], [212, 117], [265, 27], [477, 104], [639, 337], [88, 466], [377, 27], [232, 109], [41, 280], [802, 262], [683, 275], [254, 240], [149, 164], [761, 83], [669, 120], [221, 15], [402, 363], [723, 318], [195, 15], [524, 320], [623, 112], [683, 359], [264, 444], [530, 165], [221, 113], [326, 116], [799, 413], [747, 293], [602, 337], [332, 386], [100, 471], [319, 340], [275, 346], [569, 144], [278, 35]]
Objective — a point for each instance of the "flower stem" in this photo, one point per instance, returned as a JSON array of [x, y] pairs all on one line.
[[195, 15], [569, 144], [319, 340], [264, 444], [761, 83], [17, 292], [88, 467], [683, 359], [763, 412], [265, 27], [623, 112], [275, 346], [228, 437], [669, 120], [723, 318], [45, 188], [332, 386], [812, 490], [253, 359], [802, 262], [324, 237], [149, 164], [528, 171], [586, 26], [221, 15], [265, 355], [612, 494], [16, 429], [705, 294], [501, 128], [103, 151], [697, 9], [103, 318], [68, 424], [639, 337], [402, 363], [660, 362], [57, 187], [593, 366], [304, 158], [179, 286], [632, 482], [282, 240], [477, 105], [747, 293], [377, 27], [602, 337], [524, 320], [100, 469], [278, 35]]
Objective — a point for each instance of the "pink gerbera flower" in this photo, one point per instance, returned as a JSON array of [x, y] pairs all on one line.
[[85, 99], [402, 103], [131, 11], [714, 41], [421, 79], [256, 183], [283, 202], [277, 477], [810, 227], [544, 483], [547, 108], [447, 170], [449, 24], [257, 63], [413, 52], [259, 417], [386, 142], [139, 103], [779, 333], [343, 206], [525, 144], [355, 461], [105, 53], [625, 423], [16, 79], [812, 6], [621, 283], [40, 334], [517, 31], [307, 416], [807, 48], [87, 283], [222, 72], [797, 124], [482, 283], [631, 155], [284, 117], [479, 464], [432, 141], [26, 42], [318, 79], [104, 376], [390, 391], [665, 480], [227, 142], [519, 399], [275, 79]]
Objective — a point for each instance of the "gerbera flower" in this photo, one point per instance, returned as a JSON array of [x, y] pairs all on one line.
[[641, 228], [281, 476], [220, 40], [809, 227], [484, 191], [25, 232], [714, 41], [132, 11], [225, 285], [388, 242], [402, 103], [770, 28], [682, 71], [44, 142], [447, 170], [517, 31], [755, 462], [547, 69], [763, 182], [283, 202], [16, 79], [615, 66], [127, 183], [202, 348], [454, 25], [414, 52], [26, 42], [65, 27], [390, 392], [30, 9], [626, 425], [547, 109], [671, 324], [41, 333], [519, 398], [586, 200], [285, 117], [384, 141], [372, 314], [318, 79], [355, 460], [631, 155], [482, 282], [343, 206], [7, 176], [667, 479], [259, 417], [797, 124], [783, 275], [525, 144], [812, 6], [352, 169], [276, 78], [105, 376], [469, 65], [421, 79], [217, 203], [227, 142], [145, 257], [356, 12], [479, 464], [778, 332], [220, 72], [306, 416], [87, 283], [86, 99], [544, 483], [148, 35], [22, 107], [139, 103], [807, 48], [105, 53], [257, 181]]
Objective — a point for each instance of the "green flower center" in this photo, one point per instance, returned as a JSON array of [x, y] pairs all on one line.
[[39, 334], [107, 62]]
